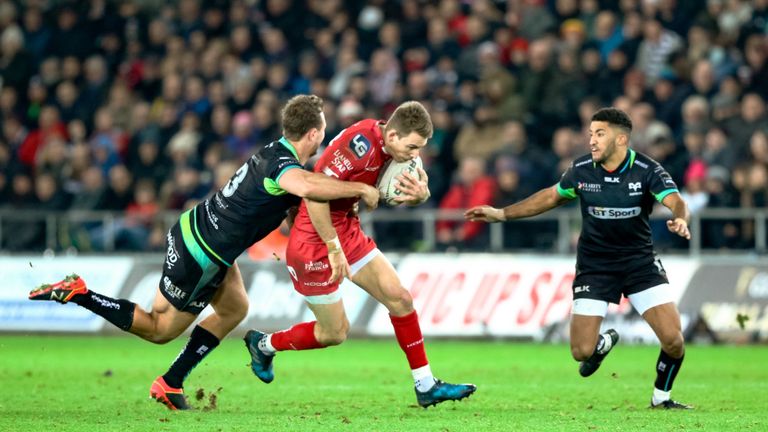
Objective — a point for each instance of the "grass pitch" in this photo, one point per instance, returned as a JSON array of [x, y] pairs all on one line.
[[58, 383]]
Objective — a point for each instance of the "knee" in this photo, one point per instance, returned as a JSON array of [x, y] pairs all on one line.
[[673, 344], [400, 302], [335, 335], [581, 352], [236, 312]]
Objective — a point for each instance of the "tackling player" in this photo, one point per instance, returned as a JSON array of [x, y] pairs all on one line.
[[328, 244], [617, 188], [202, 246]]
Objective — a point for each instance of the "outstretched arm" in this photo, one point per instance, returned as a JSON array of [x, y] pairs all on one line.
[[540, 202], [680, 215], [320, 215], [321, 187]]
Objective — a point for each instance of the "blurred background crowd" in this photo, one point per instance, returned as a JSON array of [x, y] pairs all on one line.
[[141, 106]]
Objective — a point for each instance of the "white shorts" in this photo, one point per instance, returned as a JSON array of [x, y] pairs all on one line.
[[641, 301]]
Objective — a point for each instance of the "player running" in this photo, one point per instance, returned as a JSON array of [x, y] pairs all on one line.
[[328, 244], [617, 187], [202, 246]]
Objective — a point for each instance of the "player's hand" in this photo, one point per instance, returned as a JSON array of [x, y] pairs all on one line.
[[484, 214], [370, 197], [415, 191], [680, 227], [339, 266]]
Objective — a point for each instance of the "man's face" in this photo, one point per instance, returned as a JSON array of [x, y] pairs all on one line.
[[405, 148], [317, 136], [602, 141]]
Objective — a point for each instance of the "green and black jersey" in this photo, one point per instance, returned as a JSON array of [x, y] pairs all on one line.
[[245, 210], [615, 207]]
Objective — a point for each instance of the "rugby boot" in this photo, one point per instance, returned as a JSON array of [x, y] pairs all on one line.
[[670, 404], [61, 291], [590, 365], [443, 391], [173, 398], [261, 364]]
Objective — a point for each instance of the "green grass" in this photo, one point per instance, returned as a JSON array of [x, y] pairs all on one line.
[[58, 383]]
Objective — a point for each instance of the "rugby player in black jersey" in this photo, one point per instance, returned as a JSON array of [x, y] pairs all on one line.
[[203, 245], [617, 188]]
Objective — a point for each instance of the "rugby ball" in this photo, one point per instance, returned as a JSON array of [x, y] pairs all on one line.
[[388, 178]]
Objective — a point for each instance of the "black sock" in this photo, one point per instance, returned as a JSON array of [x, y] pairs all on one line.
[[200, 343], [666, 371], [117, 311]]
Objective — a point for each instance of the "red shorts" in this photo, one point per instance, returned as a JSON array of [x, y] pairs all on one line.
[[308, 259]]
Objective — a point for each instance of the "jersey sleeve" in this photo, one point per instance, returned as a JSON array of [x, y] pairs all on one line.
[[280, 165], [566, 187], [660, 183], [347, 154]]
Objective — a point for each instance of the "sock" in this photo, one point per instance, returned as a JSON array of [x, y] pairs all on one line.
[[299, 337], [604, 344], [117, 311], [659, 396], [200, 343], [666, 371], [423, 378], [265, 345], [408, 334]]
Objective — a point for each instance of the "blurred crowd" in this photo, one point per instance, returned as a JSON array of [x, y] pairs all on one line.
[[139, 106]]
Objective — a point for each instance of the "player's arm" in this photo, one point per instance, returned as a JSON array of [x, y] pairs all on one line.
[[320, 187], [540, 202], [320, 215], [680, 215]]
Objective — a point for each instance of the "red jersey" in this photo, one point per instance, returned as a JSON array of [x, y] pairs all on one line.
[[356, 154]]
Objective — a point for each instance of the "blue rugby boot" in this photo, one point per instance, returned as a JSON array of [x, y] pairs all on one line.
[[261, 364], [443, 391]]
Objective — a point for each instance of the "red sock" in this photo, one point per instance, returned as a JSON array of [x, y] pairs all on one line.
[[408, 334], [299, 337]]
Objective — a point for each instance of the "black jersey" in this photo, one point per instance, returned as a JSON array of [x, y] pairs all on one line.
[[250, 206], [615, 208]]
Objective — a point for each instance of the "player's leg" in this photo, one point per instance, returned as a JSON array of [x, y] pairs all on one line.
[[230, 307], [160, 325], [324, 299], [591, 293], [330, 328], [662, 316], [376, 275]]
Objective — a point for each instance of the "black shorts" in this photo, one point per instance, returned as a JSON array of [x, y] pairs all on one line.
[[609, 285], [188, 285]]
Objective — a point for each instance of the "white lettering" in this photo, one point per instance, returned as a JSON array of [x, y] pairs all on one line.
[[614, 213]]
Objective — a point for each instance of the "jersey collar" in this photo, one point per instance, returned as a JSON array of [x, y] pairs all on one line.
[[289, 146]]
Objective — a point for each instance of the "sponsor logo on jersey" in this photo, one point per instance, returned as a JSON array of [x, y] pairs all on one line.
[[171, 255], [611, 179], [589, 187], [340, 162], [360, 145], [641, 164], [220, 202], [315, 266], [211, 217], [373, 168], [172, 290], [584, 162], [636, 186], [613, 212]]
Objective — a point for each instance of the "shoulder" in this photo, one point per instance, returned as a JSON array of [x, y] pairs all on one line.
[[644, 162], [582, 161]]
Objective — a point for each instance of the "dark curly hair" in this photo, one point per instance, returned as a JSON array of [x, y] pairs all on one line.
[[614, 117]]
